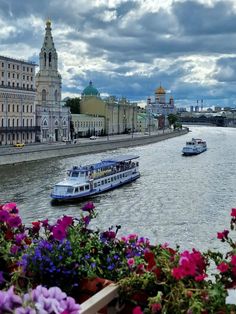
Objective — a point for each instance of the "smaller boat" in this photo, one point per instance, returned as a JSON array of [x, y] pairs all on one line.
[[194, 147], [89, 180]]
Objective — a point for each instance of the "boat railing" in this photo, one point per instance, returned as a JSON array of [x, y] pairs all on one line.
[[107, 297], [109, 172]]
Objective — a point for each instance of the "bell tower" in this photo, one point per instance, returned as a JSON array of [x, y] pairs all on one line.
[[48, 79]]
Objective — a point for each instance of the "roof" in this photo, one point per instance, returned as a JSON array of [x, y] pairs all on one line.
[[121, 158], [104, 163], [90, 90]]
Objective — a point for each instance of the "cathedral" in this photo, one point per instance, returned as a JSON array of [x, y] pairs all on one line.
[[52, 117], [159, 105]]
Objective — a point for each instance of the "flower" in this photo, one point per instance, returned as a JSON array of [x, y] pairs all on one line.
[[223, 267], [88, 207], [233, 212], [59, 232]]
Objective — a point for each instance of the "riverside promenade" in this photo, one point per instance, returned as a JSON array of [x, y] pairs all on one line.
[[10, 155]]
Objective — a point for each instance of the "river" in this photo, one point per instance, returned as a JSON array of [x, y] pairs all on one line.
[[178, 200]]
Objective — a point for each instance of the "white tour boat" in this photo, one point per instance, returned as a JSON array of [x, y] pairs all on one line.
[[84, 181], [194, 147]]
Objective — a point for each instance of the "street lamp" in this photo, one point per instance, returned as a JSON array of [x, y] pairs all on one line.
[[108, 129]]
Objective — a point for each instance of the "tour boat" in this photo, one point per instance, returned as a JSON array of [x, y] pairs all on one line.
[[194, 147], [88, 180]]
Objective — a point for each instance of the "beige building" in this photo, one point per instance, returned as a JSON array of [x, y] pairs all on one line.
[[17, 95], [87, 125], [120, 115]]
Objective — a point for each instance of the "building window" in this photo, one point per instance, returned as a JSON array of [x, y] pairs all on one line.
[[31, 122], [13, 66], [55, 94], [2, 73], [31, 70], [17, 108], [13, 122], [9, 107], [23, 77], [2, 122], [9, 124], [8, 66], [2, 107], [18, 67], [23, 85], [31, 108], [13, 75], [9, 84], [23, 108], [27, 69], [23, 68], [2, 64], [13, 108], [18, 76], [8, 74], [27, 77], [17, 122], [13, 84], [2, 82], [17, 84], [23, 122], [43, 95]]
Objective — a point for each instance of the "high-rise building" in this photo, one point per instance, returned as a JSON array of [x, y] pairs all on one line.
[[17, 95], [52, 117]]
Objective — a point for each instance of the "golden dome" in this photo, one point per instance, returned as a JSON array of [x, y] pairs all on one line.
[[160, 90], [48, 23]]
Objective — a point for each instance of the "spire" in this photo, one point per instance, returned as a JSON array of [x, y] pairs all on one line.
[[48, 39]]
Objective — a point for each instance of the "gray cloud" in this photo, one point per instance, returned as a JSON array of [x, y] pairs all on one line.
[[135, 45]]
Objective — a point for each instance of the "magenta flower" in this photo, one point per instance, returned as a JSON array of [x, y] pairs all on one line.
[[14, 249], [14, 221], [59, 232], [4, 215], [66, 221], [222, 235], [233, 212], [89, 207], [137, 310], [11, 207], [131, 262], [223, 267]]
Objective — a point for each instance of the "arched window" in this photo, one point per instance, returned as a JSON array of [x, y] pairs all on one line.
[[45, 58], [50, 58], [43, 95], [56, 95], [45, 123]]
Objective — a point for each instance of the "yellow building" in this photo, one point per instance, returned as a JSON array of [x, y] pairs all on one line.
[[120, 115]]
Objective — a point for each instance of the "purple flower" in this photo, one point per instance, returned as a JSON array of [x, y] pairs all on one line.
[[14, 221], [59, 232], [4, 215], [88, 207]]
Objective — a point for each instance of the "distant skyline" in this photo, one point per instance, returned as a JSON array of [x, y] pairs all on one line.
[[128, 47]]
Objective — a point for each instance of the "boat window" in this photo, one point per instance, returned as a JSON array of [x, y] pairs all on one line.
[[81, 188], [76, 190], [98, 184], [74, 174], [86, 187], [70, 189], [102, 181], [105, 181], [95, 185], [111, 179]]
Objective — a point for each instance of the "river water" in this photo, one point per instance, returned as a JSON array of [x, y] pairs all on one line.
[[178, 200]]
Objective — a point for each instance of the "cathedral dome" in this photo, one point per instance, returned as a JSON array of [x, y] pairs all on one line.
[[160, 90], [90, 90]]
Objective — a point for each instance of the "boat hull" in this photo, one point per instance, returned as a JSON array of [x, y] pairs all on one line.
[[192, 153], [94, 192]]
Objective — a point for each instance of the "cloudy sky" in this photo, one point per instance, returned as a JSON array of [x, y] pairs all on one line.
[[128, 47]]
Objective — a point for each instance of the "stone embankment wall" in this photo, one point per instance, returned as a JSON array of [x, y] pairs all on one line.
[[68, 150]]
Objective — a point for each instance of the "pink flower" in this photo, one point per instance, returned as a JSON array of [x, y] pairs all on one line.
[[177, 273], [14, 249], [137, 310], [4, 215], [233, 212], [66, 221], [11, 207], [156, 307], [223, 267], [58, 232], [14, 221], [222, 235], [131, 262], [233, 260], [200, 277]]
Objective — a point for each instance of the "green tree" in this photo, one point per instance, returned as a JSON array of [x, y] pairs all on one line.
[[73, 104], [172, 119]]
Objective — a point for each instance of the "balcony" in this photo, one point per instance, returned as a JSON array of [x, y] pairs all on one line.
[[17, 88]]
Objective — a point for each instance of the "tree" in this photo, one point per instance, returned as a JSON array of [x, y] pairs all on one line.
[[73, 104], [172, 119]]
